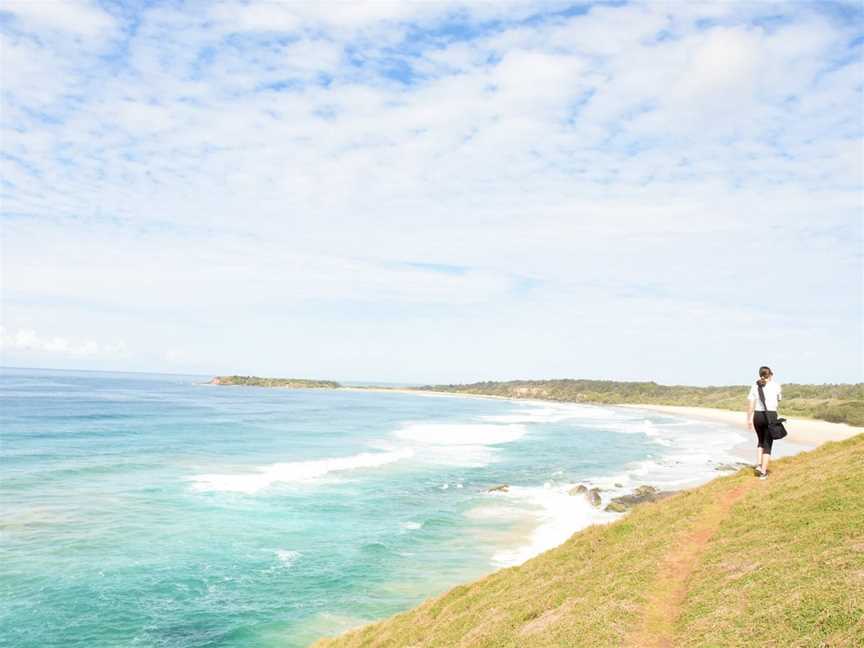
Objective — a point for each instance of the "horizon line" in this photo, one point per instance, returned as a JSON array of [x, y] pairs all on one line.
[[359, 383]]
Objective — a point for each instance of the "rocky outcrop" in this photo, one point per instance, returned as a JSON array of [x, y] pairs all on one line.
[[738, 465], [592, 495], [640, 495], [645, 491], [501, 488]]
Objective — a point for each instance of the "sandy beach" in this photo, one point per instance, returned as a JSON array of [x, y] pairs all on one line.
[[804, 432], [809, 432]]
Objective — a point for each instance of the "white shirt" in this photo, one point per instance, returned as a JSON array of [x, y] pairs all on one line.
[[772, 396]]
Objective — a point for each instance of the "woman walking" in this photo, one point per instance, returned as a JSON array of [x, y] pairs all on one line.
[[761, 411]]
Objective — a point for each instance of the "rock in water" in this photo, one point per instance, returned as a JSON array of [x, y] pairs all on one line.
[[578, 490], [645, 491], [594, 497], [641, 494], [502, 488], [735, 466]]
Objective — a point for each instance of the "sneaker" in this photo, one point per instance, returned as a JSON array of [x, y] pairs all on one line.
[[763, 476]]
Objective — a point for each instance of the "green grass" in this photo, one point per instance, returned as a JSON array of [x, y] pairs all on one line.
[[785, 568], [834, 403]]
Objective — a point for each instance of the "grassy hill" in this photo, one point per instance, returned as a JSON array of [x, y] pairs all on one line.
[[835, 403], [737, 562]]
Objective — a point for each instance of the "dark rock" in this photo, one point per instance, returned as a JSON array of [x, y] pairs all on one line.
[[644, 491], [578, 490], [619, 485], [640, 495], [502, 487], [736, 466], [593, 496]]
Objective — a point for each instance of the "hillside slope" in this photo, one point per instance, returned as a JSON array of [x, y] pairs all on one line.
[[735, 562]]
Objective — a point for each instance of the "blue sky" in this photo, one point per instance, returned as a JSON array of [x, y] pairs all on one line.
[[434, 192]]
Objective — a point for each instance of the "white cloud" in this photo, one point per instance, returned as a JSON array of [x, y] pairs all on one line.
[[270, 16], [229, 166], [82, 18], [30, 341]]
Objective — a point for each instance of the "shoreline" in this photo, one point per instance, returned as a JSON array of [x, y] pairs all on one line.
[[806, 432], [802, 431], [429, 392], [525, 543], [739, 447]]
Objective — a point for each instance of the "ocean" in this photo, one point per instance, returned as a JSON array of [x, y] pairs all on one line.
[[157, 510]]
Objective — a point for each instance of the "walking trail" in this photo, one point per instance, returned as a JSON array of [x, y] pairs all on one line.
[[669, 589]]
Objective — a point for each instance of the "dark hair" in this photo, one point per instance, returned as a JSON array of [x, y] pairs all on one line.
[[764, 373]]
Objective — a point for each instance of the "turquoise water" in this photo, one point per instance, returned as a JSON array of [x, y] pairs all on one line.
[[152, 510]]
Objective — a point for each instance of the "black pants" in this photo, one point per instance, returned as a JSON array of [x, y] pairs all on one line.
[[760, 422]]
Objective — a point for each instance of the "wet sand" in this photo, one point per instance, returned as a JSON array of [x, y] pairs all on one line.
[[807, 432]]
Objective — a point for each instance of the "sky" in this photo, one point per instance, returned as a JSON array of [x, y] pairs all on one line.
[[434, 191]]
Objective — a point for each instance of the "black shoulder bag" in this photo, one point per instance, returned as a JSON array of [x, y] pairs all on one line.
[[775, 428]]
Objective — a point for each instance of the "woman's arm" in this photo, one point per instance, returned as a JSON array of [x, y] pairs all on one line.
[[750, 407]]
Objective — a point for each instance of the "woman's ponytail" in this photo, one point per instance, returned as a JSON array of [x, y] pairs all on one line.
[[764, 374]]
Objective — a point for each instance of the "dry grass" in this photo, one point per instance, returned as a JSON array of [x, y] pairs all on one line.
[[798, 547], [782, 566]]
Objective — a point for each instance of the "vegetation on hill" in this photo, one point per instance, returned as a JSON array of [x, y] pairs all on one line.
[[290, 383], [835, 403], [737, 562]]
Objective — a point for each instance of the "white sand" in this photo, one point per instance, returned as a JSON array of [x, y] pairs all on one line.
[[803, 433], [809, 432]]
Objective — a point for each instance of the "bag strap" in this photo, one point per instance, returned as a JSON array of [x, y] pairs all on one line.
[[762, 398]]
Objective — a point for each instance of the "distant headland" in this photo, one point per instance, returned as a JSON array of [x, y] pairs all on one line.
[[287, 383], [835, 403]]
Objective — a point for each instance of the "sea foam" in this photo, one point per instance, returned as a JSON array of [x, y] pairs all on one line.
[[456, 434], [559, 515], [464, 445], [295, 471], [687, 453], [554, 413]]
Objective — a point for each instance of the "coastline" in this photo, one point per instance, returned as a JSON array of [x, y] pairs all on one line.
[[804, 435], [731, 446], [429, 392], [806, 432], [684, 545]]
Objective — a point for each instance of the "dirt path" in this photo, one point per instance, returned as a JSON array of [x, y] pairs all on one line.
[[670, 586]]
